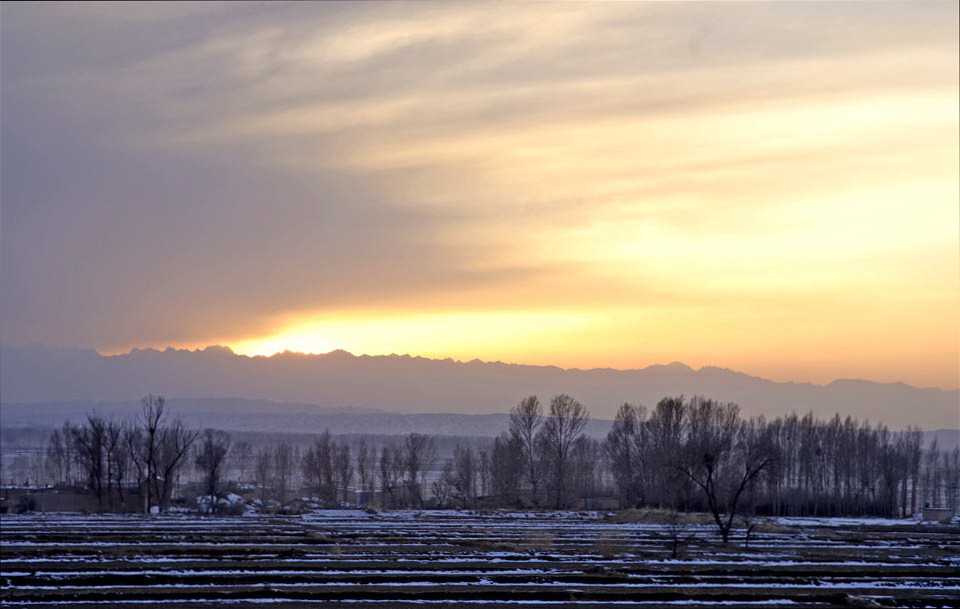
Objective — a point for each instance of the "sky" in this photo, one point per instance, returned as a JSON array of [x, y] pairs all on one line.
[[768, 187]]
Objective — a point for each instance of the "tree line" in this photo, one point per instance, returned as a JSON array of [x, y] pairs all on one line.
[[700, 454], [113, 456], [683, 454]]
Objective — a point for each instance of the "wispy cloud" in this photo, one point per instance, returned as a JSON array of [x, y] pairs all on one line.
[[682, 177]]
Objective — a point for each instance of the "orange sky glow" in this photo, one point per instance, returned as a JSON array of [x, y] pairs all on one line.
[[772, 187]]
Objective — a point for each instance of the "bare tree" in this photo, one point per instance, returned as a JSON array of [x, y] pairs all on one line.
[[210, 458], [98, 448], [664, 436], [263, 472], [464, 476], [391, 474], [419, 455], [525, 421], [284, 464], [483, 471], [327, 467], [506, 468], [242, 454], [913, 446], [623, 449], [951, 476], [587, 461], [560, 431], [88, 440], [132, 438], [174, 442], [151, 415], [723, 456], [318, 467], [442, 487], [59, 454], [116, 458], [365, 460], [342, 468]]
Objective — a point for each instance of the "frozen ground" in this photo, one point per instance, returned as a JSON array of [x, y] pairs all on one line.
[[407, 558]]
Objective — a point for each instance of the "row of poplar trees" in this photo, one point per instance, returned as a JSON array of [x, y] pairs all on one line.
[[791, 465], [684, 454]]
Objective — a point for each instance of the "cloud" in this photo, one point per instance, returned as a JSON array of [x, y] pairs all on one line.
[[203, 173]]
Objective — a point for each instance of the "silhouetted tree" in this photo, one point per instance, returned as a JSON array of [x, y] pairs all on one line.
[[587, 469], [117, 460], [723, 457], [419, 454], [664, 435], [263, 472], [132, 438], [210, 456], [171, 451], [483, 471], [284, 464], [59, 454], [391, 474], [624, 448], [525, 421], [342, 468], [366, 455], [464, 476], [560, 431], [151, 416], [442, 487], [89, 440], [242, 454], [319, 469], [506, 468]]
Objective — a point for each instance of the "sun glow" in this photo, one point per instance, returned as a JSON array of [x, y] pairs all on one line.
[[697, 333], [446, 334], [768, 187]]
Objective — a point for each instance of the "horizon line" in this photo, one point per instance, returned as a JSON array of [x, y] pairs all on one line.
[[289, 352]]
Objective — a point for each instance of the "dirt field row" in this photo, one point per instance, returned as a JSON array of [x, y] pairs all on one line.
[[444, 559]]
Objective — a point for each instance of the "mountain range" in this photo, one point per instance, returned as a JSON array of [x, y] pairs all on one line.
[[402, 384]]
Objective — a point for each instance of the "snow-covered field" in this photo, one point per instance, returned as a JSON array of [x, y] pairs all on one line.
[[406, 558]]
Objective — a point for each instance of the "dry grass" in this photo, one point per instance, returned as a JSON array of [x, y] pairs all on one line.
[[317, 537], [540, 542], [771, 527], [656, 516], [612, 543]]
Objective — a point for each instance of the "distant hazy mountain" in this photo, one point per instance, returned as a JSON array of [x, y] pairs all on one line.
[[235, 414], [404, 384]]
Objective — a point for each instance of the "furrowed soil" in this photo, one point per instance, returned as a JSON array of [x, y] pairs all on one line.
[[446, 559]]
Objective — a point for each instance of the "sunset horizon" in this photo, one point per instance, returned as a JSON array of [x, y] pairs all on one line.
[[770, 188], [467, 359]]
